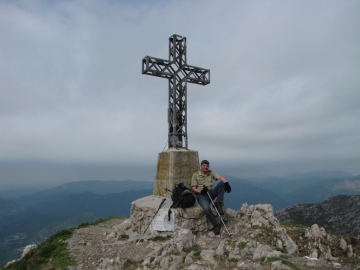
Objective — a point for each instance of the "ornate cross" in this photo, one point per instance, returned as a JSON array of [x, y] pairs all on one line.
[[179, 73]]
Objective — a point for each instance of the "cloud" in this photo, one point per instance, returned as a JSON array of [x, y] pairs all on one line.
[[284, 81]]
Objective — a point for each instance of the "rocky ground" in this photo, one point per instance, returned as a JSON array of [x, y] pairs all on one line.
[[257, 241]]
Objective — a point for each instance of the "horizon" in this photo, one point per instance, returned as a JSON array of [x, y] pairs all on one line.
[[47, 185]]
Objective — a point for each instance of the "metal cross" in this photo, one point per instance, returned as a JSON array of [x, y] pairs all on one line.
[[179, 74]]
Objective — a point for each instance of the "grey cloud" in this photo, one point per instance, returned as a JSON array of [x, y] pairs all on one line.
[[284, 81]]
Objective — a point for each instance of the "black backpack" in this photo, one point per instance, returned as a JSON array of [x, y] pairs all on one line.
[[181, 197]]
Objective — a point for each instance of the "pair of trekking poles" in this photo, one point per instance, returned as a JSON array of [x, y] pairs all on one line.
[[219, 214], [162, 202]]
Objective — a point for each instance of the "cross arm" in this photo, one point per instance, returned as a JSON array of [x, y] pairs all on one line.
[[196, 75], [157, 67]]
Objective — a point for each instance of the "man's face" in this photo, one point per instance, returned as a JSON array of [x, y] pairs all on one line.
[[204, 168]]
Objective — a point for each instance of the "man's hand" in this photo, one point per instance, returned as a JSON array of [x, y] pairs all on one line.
[[204, 190], [227, 187]]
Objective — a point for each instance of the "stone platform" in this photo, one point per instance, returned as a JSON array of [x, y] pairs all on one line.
[[174, 166], [143, 209]]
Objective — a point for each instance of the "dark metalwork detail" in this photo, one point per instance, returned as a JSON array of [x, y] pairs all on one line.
[[179, 74]]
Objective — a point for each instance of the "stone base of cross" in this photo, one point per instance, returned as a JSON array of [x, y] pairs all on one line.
[[174, 166]]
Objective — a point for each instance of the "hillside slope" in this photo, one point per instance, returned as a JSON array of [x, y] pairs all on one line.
[[64, 210], [338, 215]]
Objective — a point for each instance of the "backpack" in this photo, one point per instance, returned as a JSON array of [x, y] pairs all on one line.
[[181, 197]]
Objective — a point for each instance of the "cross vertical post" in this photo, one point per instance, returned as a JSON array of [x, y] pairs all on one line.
[[178, 73]]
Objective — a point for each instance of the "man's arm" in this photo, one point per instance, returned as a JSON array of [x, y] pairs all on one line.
[[227, 187], [194, 184], [196, 190], [222, 179]]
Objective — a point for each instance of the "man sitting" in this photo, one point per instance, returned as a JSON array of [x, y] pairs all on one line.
[[201, 183]]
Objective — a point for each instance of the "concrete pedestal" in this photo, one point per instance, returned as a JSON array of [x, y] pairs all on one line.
[[175, 166]]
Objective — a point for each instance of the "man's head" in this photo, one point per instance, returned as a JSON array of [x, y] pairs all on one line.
[[204, 166]]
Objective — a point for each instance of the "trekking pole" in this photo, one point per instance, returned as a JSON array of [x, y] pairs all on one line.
[[162, 202], [218, 214]]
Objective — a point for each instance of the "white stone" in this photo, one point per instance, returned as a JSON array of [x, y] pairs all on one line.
[[194, 267], [126, 224], [279, 244], [350, 252], [188, 260], [343, 244], [221, 249], [27, 249], [266, 251], [207, 256], [110, 264], [315, 231], [314, 254], [184, 239], [176, 262], [165, 263]]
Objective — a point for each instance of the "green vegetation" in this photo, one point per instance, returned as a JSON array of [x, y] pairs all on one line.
[[283, 261], [129, 263], [196, 249], [51, 254], [290, 264], [123, 237], [270, 260], [292, 225], [233, 260], [161, 238], [242, 245], [176, 253]]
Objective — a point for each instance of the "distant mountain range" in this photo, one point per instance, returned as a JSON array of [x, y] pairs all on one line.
[[93, 186], [32, 217], [338, 215], [309, 189]]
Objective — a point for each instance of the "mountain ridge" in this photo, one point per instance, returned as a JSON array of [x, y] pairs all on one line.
[[338, 215]]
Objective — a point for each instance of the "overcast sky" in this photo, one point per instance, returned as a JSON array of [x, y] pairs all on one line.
[[284, 93]]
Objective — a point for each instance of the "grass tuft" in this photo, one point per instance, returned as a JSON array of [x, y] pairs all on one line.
[[290, 264], [292, 225], [123, 237], [161, 238], [196, 249], [130, 264], [242, 245]]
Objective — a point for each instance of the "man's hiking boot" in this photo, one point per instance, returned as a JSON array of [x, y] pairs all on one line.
[[217, 229], [220, 207]]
